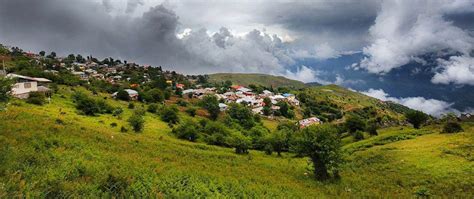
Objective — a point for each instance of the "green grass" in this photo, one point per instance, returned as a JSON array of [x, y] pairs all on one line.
[[86, 157], [257, 79]]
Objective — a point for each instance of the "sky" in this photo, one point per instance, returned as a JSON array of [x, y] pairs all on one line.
[[262, 36]]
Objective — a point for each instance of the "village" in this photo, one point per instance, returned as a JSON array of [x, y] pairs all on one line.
[[88, 69]]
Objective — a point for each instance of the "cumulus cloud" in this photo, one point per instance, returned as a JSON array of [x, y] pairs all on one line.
[[430, 106], [404, 30], [151, 38], [132, 5], [305, 74], [458, 70], [323, 51]]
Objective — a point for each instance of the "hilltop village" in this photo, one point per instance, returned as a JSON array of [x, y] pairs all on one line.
[[127, 77]]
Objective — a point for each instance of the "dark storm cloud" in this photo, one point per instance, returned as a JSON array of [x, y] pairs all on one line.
[[88, 28], [343, 24]]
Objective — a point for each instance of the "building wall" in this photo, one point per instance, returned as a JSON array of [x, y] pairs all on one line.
[[19, 89]]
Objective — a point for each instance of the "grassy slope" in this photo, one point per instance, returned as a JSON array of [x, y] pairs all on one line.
[[39, 156], [348, 99], [258, 79]]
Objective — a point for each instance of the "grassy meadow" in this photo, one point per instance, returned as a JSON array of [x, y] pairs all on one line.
[[52, 151]]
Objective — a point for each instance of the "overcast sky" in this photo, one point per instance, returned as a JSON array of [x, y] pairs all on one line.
[[264, 36]]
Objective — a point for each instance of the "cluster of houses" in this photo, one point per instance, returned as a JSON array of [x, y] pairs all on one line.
[[241, 94]]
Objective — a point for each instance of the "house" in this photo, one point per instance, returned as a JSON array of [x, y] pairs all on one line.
[[179, 86], [223, 106], [133, 94], [466, 117], [81, 75], [24, 85], [257, 110], [309, 121]]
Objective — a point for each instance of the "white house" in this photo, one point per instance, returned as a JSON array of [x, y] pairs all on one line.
[[24, 85], [223, 106], [309, 121], [133, 94]]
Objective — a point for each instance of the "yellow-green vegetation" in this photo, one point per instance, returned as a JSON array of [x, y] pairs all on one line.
[[256, 79], [52, 151], [348, 101]]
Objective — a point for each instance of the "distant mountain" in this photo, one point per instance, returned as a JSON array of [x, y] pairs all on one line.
[[257, 79], [313, 84], [410, 80]]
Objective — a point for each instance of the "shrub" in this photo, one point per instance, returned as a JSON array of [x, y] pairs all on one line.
[[131, 105], [156, 95], [86, 105], [416, 118], [117, 112], [355, 123], [152, 108], [216, 133], [37, 98], [191, 111], [372, 128], [123, 129], [358, 135], [136, 121], [188, 130], [113, 124], [123, 95], [452, 127], [169, 114], [182, 103]]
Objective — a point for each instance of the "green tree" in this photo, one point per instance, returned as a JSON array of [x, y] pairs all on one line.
[[240, 142], [136, 121], [416, 118], [279, 141], [123, 95], [5, 88], [37, 98], [188, 130], [242, 114], [211, 104], [322, 145], [191, 111], [169, 114], [156, 95], [452, 127], [354, 123]]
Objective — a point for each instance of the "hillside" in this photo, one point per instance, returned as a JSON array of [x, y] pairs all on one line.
[[258, 79], [52, 151]]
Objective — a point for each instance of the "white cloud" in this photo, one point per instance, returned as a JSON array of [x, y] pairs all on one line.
[[304, 74], [404, 30], [323, 51], [430, 106], [458, 70]]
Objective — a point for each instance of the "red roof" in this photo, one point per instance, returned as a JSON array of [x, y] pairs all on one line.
[[236, 87]]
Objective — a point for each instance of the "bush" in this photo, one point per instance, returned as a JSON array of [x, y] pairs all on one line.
[[131, 105], [152, 108], [156, 95], [136, 121], [372, 128], [113, 124], [123, 95], [242, 114], [358, 135], [416, 118], [182, 103], [90, 106], [355, 123], [37, 98], [216, 133], [188, 130], [452, 127], [191, 111], [123, 129], [169, 114], [117, 112]]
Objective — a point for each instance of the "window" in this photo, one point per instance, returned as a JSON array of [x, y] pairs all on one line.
[[28, 85]]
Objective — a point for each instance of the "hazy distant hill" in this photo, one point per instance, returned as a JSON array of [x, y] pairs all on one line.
[[259, 79]]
